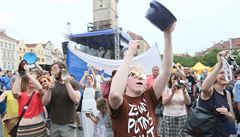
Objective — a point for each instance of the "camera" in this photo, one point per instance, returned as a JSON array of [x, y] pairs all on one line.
[[181, 83]]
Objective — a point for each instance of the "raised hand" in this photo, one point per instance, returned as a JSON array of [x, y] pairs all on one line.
[[133, 45], [170, 28], [85, 73], [222, 54]]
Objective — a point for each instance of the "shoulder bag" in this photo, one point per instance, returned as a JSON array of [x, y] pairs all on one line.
[[201, 122], [13, 131]]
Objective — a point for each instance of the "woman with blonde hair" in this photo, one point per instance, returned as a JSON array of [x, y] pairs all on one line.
[[23, 88], [215, 98]]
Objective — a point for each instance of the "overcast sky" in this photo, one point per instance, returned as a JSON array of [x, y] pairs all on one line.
[[200, 22]]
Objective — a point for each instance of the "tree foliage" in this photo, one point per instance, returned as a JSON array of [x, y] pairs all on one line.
[[208, 58]]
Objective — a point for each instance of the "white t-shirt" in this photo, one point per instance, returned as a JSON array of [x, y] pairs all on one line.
[[176, 107]]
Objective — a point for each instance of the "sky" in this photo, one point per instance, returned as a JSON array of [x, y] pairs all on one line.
[[200, 22]]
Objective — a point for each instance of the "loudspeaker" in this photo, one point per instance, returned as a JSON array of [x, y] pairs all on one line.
[[64, 74], [64, 46]]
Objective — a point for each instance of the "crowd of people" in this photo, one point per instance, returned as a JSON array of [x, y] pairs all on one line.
[[130, 102]]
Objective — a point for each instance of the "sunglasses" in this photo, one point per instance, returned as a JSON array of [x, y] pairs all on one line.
[[137, 75]]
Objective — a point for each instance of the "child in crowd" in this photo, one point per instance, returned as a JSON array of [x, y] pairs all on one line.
[[100, 118]]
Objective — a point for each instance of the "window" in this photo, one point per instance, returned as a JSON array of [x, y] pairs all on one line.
[[4, 65], [4, 54], [12, 65], [13, 46], [8, 55], [10, 46], [38, 59], [11, 55], [5, 45], [9, 67], [1, 44], [42, 59]]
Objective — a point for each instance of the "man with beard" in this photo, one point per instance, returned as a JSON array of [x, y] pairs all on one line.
[[62, 99]]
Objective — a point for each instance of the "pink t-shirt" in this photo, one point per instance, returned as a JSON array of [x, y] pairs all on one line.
[[150, 81], [34, 108]]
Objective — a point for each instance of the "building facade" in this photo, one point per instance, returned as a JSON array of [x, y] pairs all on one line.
[[48, 49], [45, 52], [38, 49], [8, 56], [231, 43]]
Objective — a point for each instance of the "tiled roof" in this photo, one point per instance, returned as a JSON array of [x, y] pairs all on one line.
[[31, 45], [223, 45], [226, 44], [3, 35]]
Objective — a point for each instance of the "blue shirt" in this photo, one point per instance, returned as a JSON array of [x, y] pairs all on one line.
[[236, 91], [6, 82], [2, 106]]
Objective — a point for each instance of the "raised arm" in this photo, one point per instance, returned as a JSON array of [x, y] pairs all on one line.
[[34, 80], [94, 77], [187, 99], [167, 96], [162, 79], [74, 95], [83, 78], [39, 68], [46, 98], [119, 80], [16, 88], [207, 84], [180, 70]]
